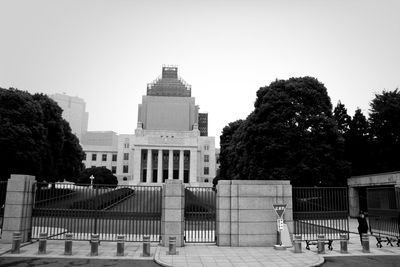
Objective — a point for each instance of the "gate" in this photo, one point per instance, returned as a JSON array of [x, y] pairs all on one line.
[[133, 211], [3, 193], [320, 210], [384, 211], [200, 214]]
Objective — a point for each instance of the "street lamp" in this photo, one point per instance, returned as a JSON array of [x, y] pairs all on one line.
[[91, 181]]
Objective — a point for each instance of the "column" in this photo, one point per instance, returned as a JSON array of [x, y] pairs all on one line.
[[159, 166], [193, 166], [170, 164], [181, 165], [18, 207], [137, 162], [149, 171], [172, 212]]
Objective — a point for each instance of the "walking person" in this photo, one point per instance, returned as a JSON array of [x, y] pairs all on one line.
[[362, 225]]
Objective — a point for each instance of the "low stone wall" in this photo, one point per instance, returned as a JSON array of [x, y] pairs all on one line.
[[245, 213]]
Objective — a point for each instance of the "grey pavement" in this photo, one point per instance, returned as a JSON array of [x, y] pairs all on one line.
[[194, 255]]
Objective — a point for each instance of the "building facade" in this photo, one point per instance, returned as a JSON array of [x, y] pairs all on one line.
[[74, 111], [167, 143]]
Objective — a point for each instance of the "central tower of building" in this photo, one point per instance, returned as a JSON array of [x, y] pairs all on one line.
[[168, 143]]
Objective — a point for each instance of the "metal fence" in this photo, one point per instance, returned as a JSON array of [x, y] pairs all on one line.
[[3, 192], [320, 210], [384, 211], [133, 211], [200, 215]]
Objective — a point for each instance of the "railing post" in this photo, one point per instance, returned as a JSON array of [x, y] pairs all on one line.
[[16, 243], [146, 246], [172, 245], [365, 243], [343, 243], [120, 245], [297, 243], [321, 244], [94, 245], [42, 243], [68, 244]]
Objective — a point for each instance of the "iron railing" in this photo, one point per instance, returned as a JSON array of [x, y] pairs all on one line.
[[3, 193], [320, 211], [133, 211], [200, 215], [384, 211]]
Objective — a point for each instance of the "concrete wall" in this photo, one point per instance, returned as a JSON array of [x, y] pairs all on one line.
[[18, 207], [245, 215], [368, 181]]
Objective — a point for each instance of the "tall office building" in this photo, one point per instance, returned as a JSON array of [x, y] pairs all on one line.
[[74, 111]]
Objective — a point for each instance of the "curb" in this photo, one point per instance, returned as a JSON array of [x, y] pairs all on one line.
[[157, 258]]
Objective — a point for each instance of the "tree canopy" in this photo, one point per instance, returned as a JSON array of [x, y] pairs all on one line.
[[102, 176], [290, 135], [35, 139]]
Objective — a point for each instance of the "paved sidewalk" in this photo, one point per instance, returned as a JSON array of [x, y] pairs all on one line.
[[80, 250], [212, 255]]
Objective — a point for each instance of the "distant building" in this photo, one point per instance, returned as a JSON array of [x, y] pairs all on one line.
[[170, 142], [167, 143], [74, 111]]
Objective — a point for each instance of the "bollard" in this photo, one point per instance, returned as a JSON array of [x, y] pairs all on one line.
[[16, 243], [321, 244], [146, 246], [297, 243], [68, 244], [94, 245], [120, 245], [42, 243], [172, 245], [365, 243], [343, 243]]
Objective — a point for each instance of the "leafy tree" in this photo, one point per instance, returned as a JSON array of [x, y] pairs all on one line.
[[102, 176], [385, 130], [342, 118], [35, 140], [291, 134], [358, 145]]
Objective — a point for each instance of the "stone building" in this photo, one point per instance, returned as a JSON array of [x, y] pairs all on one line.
[[167, 143]]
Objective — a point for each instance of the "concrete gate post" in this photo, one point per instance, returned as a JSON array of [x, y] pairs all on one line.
[[18, 208], [172, 214]]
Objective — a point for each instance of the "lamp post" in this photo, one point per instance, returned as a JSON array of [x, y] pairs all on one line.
[[91, 181]]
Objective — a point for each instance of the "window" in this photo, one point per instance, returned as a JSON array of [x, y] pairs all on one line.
[[84, 156], [114, 157], [206, 147], [126, 145], [125, 169], [206, 158], [104, 157], [126, 156], [114, 169], [206, 170], [125, 179], [94, 157]]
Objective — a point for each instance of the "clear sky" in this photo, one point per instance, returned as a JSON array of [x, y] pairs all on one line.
[[107, 51]]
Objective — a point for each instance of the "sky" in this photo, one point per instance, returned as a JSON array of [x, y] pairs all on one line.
[[106, 52]]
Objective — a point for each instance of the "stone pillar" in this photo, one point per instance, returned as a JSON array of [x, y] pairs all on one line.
[[245, 213], [159, 166], [354, 202], [18, 207], [149, 171], [193, 166], [137, 161], [172, 216], [171, 164], [181, 165]]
